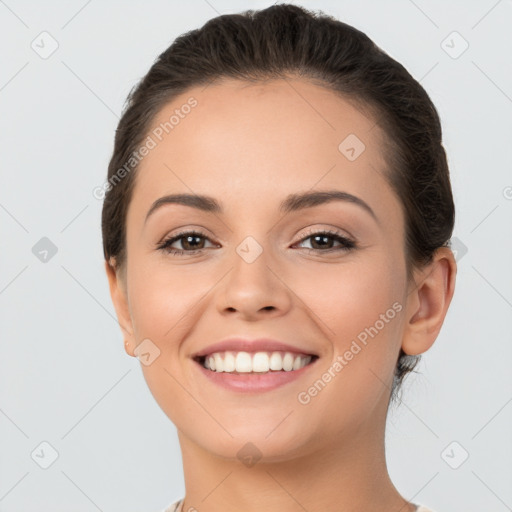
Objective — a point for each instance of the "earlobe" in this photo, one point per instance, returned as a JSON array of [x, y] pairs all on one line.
[[119, 299], [428, 302], [128, 347]]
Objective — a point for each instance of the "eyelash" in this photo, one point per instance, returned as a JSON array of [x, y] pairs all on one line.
[[348, 244]]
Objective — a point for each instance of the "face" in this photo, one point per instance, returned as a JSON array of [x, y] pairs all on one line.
[[325, 275]]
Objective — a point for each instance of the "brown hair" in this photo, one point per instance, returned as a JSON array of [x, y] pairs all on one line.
[[286, 40]]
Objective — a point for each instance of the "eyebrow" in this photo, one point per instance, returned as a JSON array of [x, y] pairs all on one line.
[[293, 202]]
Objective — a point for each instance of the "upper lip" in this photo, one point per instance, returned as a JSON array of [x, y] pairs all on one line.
[[254, 345]]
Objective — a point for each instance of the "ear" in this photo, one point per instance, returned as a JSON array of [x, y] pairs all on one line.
[[118, 289], [427, 302]]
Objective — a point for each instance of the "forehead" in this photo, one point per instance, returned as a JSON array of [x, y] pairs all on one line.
[[245, 140]]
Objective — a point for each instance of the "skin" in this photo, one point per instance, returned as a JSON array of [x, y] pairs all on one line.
[[249, 146]]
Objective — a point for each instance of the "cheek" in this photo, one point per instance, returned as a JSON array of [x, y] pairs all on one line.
[[370, 316], [162, 299], [157, 291], [165, 303], [345, 299], [359, 309]]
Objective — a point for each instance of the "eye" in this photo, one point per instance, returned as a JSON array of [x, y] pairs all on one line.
[[191, 243], [323, 241]]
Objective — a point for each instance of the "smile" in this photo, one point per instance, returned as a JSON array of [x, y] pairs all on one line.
[[258, 362]]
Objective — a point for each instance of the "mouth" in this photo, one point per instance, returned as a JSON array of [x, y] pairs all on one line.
[[263, 362]]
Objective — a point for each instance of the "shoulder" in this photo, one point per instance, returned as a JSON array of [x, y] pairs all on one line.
[[177, 507]]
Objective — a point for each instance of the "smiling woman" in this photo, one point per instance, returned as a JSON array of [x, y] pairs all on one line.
[[280, 255]]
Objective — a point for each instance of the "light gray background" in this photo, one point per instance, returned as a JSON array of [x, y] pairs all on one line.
[[64, 376]]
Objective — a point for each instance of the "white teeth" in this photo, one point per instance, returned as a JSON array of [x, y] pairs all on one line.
[[276, 361], [258, 362], [243, 363], [218, 362], [229, 362], [288, 362]]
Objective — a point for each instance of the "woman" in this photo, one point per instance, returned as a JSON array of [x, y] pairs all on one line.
[[276, 235]]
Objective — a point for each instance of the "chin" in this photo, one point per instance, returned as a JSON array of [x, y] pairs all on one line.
[[258, 443]]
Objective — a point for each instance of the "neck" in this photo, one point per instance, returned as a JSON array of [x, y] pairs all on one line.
[[347, 473]]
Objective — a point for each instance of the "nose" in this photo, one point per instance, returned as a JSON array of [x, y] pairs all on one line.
[[254, 289]]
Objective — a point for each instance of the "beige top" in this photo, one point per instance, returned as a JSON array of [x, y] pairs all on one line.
[[178, 507]]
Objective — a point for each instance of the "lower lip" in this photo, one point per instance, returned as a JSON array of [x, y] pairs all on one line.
[[253, 382]]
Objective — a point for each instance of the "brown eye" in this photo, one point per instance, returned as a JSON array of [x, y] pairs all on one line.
[[190, 241], [324, 241]]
